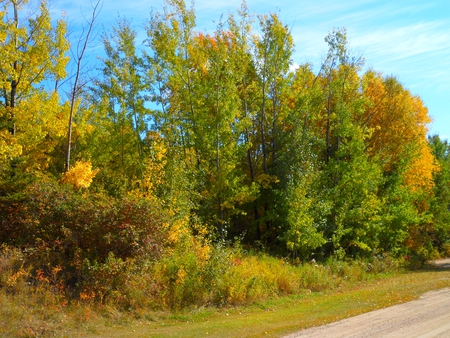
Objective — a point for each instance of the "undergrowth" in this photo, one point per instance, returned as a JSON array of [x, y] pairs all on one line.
[[194, 273]]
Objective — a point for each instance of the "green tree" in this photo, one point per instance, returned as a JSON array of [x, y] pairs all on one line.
[[440, 205], [170, 37], [219, 125], [349, 178], [195, 84], [273, 51], [170, 74], [121, 117], [300, 202], [243, 40]]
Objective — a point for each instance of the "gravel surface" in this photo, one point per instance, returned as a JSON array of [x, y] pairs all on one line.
[[429, 316]]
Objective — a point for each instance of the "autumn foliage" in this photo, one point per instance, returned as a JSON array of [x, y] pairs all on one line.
[[201, 141], [79, 176]]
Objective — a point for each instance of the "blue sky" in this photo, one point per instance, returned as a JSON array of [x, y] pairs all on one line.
[[407, 39]]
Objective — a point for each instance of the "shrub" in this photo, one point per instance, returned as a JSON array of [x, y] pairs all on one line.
[[80, 175], [446, 249], [190, 273], [59, 227]]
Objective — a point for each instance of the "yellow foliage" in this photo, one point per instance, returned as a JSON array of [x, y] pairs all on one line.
[[177, 229], [8, 146], [419, 176], [399, 123], [397, 118], [181, 275], [154, 173], [80, 175], [266, 180]]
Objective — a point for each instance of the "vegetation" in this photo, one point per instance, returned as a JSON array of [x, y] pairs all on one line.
[[202, 169], [285, 298]]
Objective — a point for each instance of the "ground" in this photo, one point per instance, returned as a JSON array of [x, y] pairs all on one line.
[[429, 316]]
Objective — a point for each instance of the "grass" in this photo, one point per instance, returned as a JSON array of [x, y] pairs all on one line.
[[270, 318], [285, 315]]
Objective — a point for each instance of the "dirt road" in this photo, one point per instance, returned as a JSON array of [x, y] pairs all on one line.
[[429, 316]]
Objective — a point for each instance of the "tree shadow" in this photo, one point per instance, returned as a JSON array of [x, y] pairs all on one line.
[[435, 265]]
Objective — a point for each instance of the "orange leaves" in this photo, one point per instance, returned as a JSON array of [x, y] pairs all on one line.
[[206, 48], [209, 41], [398, 121]]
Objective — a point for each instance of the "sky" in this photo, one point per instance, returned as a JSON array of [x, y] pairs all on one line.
[[409, 39]]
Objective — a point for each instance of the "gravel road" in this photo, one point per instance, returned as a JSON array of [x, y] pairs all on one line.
[[429, 316]]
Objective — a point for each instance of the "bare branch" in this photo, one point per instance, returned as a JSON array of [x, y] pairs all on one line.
[[83, 42]]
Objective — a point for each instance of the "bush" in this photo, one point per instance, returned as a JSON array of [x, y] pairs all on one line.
[[446, 249], [58, 227], [190, 272]]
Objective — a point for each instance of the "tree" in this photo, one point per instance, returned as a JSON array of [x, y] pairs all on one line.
[[248, 92], [196, 88], [349, 179], [121, 118], [218, 121], [32, 54], [301, 208], [440, 204], [398, 121], [76, 86], [273, 51], [170, 38]]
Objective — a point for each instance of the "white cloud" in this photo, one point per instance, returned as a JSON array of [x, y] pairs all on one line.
[[409, 39]]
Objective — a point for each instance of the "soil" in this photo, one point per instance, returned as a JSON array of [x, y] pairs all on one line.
[[428, 316]]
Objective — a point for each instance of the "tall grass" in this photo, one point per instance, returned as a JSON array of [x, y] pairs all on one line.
[[194, 273]]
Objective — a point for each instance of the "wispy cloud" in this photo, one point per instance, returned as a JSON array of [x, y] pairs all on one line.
[[409, 39]]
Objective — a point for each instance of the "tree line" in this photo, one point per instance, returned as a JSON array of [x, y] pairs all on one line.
[[223, 134]]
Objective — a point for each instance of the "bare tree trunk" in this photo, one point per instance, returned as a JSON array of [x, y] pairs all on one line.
[[14, 82], [75, 88]]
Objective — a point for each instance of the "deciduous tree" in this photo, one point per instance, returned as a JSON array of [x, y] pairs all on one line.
[[32, 54]]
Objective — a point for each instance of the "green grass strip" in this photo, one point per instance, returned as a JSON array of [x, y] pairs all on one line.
[[273, 318]]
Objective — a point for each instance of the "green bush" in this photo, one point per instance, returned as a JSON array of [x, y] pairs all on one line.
[[191, 273]]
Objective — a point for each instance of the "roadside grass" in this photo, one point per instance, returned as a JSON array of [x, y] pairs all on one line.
[[275, 318], [337, 290]]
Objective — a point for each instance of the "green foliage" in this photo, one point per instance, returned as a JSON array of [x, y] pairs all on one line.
[[441, 201], [302, 236], [119, 120]]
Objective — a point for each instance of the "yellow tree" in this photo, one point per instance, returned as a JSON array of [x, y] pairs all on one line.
[[32, 53], [398, 121]]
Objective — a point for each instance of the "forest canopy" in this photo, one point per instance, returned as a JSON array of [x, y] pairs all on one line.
[[213, 135]]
